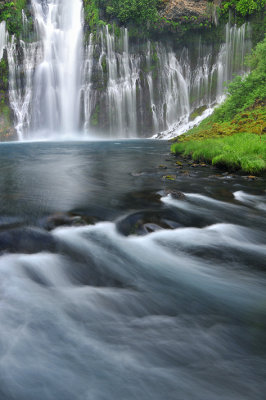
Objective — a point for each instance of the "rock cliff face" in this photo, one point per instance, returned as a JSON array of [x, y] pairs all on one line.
[[187, 10]]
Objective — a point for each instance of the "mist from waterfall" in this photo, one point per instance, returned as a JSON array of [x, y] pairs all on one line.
[[112, 86]]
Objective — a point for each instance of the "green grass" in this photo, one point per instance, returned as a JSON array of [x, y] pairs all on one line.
[[245, 151]]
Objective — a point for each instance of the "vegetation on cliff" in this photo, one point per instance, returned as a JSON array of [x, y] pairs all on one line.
[[243, 7], [11, 12], [235, 134], [170, 15]]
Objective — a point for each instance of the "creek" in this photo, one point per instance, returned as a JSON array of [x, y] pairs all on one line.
[[117, 282]]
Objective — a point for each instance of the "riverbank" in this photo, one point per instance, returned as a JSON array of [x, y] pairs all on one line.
[[243, 151]]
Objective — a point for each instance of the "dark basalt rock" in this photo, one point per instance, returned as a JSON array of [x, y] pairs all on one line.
[[143, 223], [66, 219], [10, 223], [26, 240], [175, 194], [142, 198], [186, 10]]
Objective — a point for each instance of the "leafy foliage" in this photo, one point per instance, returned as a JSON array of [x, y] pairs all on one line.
[[10, 11], [137, 11], [243, 7]]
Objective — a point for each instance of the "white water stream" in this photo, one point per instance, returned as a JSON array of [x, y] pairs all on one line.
[[2, 38]]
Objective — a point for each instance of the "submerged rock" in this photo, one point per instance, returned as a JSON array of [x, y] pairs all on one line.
[[251, 178], [61, 219], [67, 219], [145, 222], [26, 240], [169, 177], [175, 194], [10, 222]]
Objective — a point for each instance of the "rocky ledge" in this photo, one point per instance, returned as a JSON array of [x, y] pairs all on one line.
[[187, 10]]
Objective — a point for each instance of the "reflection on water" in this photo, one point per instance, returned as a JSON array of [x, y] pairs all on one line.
[[126, 309]]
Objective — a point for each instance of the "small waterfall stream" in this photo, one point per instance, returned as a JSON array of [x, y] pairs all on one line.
[[112, 86], [2, 38]]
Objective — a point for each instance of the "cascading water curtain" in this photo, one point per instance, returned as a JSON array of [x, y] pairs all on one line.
[[134, 90]]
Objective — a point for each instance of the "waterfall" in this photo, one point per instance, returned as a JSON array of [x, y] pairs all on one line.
[[21, 63], [232, 54], [112, 85], [122, 87], [2, 38], [44, 76], [56, 87], [139, 90]]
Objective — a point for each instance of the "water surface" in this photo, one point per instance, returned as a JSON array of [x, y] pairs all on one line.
[[162, 297]]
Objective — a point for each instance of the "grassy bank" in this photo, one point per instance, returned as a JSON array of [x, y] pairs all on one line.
[[234, 137], [244, 151]]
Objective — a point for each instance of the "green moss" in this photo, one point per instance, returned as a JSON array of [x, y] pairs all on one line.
[[95, 116], [3, 74], [244, 151], [196, 113], [104, 65]]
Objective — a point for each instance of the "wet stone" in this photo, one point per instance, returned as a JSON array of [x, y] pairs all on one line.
[[143, 223], [251, 178], [61, 219], [26, 240], [135, 174], [143, 198], [175, 194], [10, 222]]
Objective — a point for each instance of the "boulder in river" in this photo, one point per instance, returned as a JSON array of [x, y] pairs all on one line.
[[26, 240]]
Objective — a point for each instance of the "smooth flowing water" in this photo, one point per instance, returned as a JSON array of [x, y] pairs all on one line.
[[144, 293]]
